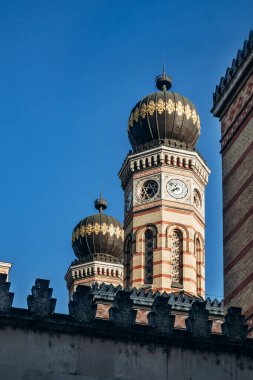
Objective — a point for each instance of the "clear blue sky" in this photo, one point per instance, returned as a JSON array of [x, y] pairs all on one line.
[[70, 73]]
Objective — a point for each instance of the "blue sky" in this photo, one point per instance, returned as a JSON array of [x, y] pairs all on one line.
[[71, 71]]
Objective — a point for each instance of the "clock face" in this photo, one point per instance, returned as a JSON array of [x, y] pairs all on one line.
[[128, 201], [177, 188]]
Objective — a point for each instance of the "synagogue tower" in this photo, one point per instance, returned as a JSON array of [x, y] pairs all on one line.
[[164, 180]]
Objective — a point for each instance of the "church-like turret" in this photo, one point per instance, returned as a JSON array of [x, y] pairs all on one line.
[[164, 181], [97, 241]]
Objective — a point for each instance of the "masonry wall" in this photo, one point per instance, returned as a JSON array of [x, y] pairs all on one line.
[[37, 343], [237, 158], [233, 104], [28, 354]]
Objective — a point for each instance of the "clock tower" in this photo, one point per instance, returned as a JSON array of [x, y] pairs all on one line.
[[164, 181]]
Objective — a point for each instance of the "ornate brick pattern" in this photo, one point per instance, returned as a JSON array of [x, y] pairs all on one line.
[[233, 104]]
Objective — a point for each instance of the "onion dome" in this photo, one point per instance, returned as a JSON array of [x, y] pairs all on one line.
[[163, 115], [98, 236]]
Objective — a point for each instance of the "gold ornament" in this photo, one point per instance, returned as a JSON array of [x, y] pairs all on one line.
[[97, 228], [194, 117], [151, 107], [180, 108], [143, 110], [170, 106], [160, 106], [187, 112], [136, 114]]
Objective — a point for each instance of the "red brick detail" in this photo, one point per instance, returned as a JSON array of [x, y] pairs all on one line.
[[168, 250], [185, 279], [238, 163], [168, 222], [238, 225], [249, 312], [170, 209], [238, 289], [161, 275], [237, 106], [161, 262], [237, 131], [238, 194], [238, 257], [137, 280]]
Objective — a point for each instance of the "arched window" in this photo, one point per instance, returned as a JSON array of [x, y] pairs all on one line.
[[150, 244], [176, 257], [127, 261], [198, 265]]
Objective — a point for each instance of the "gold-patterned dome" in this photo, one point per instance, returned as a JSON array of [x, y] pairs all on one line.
[[98, 234], [163, 115]]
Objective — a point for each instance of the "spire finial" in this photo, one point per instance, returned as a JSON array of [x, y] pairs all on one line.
[[164, 71], [100, 203], [163, 81]]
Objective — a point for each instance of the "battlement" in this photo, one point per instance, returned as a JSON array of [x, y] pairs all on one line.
[[122, 320]]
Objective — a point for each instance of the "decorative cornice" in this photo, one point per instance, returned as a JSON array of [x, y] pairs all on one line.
[[234, 74], [155, 158]]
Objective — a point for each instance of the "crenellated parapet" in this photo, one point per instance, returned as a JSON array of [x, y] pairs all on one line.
[[160, 316], [122, 321], [243, 58], [198, 323], [40, 301], [6, 298]]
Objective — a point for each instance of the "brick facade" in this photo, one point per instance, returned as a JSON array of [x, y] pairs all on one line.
[[165, 215], [233, 104]]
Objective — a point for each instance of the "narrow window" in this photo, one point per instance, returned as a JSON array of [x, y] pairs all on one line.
[[149, 248], [176, 257], [198, 265]]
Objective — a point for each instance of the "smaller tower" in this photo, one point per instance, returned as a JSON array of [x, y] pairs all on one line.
[[97, 242]]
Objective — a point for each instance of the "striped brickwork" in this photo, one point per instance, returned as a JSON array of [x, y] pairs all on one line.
[[238, 217], [234, 107], [165, 215]]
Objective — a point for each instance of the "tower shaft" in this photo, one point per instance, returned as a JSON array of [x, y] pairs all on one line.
[[165, 220]]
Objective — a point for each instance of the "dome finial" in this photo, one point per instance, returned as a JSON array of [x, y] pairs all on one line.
[[164, 71], [164, 81], [100, 203]]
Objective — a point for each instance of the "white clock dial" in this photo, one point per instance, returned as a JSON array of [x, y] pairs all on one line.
[[177, 188], [128, 201]]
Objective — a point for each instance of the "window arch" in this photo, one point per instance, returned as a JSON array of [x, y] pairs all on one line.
[[149, 245], [176, 256], [198, 255]]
